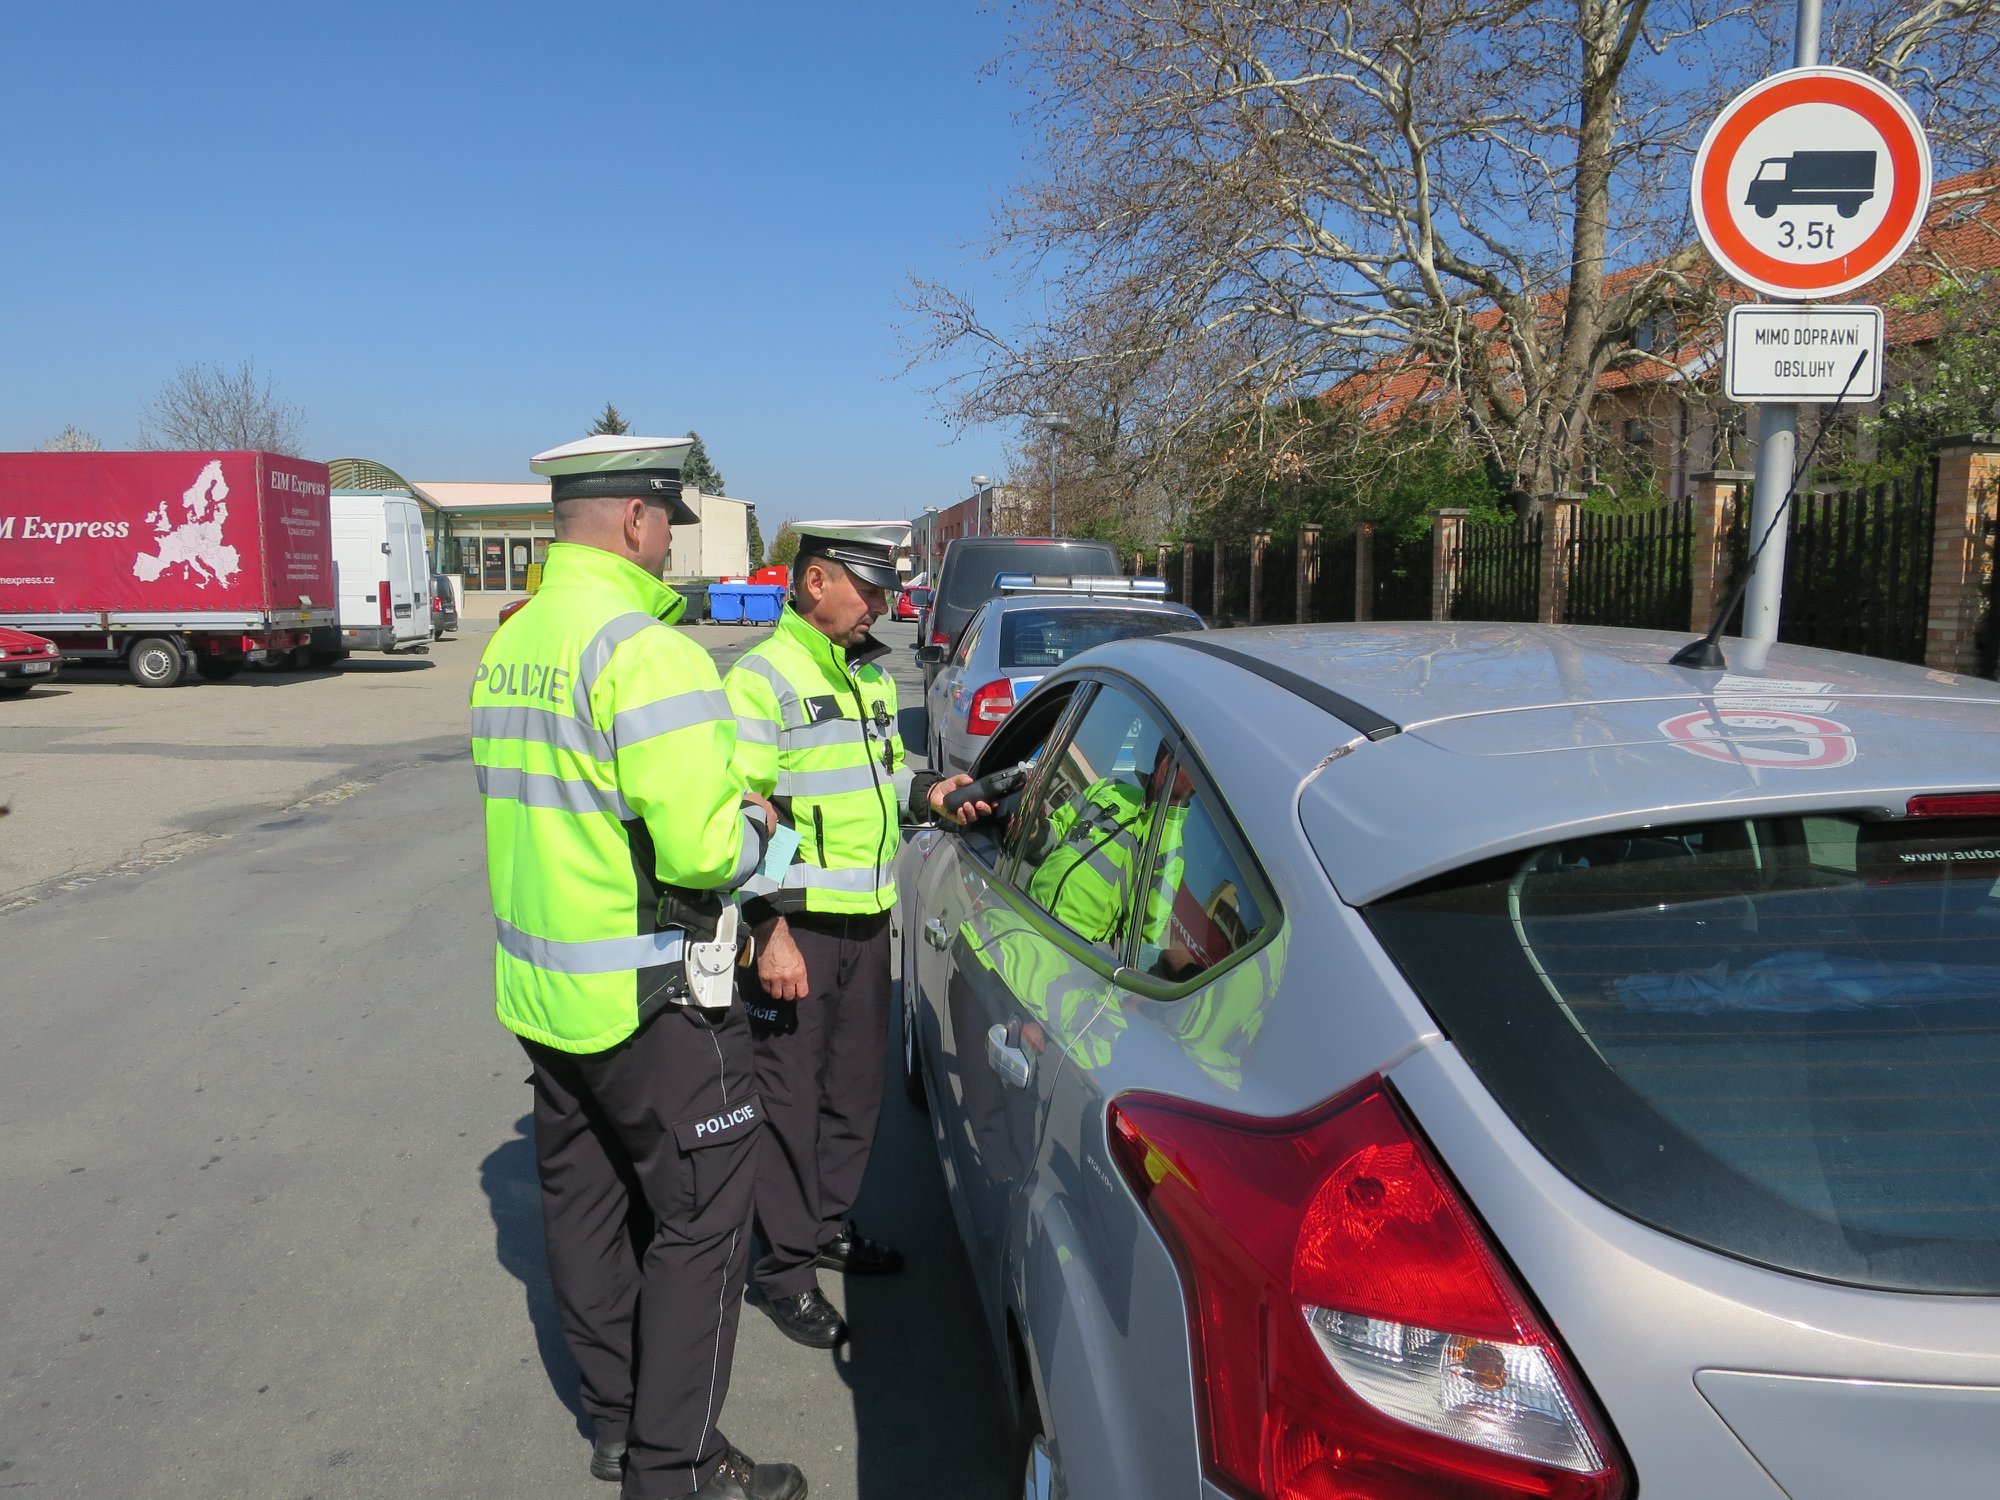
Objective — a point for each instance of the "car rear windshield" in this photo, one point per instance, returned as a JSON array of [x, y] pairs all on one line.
[[1778, 1037], [1050, 637], [968, 580]]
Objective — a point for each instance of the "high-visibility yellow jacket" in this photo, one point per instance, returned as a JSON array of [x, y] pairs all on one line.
[[1086, 881], [603, 745], [816, 733]]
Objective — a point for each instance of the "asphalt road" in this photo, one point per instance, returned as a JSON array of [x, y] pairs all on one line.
[[268, 1222]]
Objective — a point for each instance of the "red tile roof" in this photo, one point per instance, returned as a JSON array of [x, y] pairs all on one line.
[[1960, 239]]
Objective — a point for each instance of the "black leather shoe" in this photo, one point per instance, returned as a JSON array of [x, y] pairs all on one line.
[[807, 1319], [738, 1478], [607, 1459], [853, 1252]]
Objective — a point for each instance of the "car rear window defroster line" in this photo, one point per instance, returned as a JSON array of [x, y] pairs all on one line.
[[1370, 724]]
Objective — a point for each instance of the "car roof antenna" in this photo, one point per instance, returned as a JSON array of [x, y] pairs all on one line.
[[1705, 653]]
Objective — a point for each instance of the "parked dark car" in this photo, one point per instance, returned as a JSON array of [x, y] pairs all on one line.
[[444, 605], [971, 564]]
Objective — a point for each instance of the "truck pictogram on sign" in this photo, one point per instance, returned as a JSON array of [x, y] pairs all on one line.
[[1840, 180]]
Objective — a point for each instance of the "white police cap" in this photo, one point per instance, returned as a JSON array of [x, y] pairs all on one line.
[[621, 466], [867, 549]]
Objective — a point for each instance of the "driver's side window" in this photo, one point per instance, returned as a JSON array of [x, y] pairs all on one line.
[[1080, 837], [969, 639]]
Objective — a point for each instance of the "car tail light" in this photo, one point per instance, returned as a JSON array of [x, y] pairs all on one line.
[[939, 638], [387, 617], [1955, 805], [1357, 1337], [989, 706]]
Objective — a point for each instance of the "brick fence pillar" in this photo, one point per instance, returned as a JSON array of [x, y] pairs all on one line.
[[1187, 576], [1308, 578], [1364, 571], [1259, 540], [1717, 495], [1447, 560], [1217, 582], [1968, 500], [1559, 513], [1161, 549]]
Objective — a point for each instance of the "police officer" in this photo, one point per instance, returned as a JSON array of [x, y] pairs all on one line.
[[615, 824], [816, 732]]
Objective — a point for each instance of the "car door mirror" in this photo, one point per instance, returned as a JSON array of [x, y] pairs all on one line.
[[931, 654]]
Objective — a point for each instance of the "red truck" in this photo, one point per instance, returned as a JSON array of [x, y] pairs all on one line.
[[170, 562]]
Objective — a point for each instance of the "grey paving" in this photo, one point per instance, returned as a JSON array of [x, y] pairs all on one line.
[[267, 1217]]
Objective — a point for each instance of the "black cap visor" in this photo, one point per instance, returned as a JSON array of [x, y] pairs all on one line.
[[660, 486]]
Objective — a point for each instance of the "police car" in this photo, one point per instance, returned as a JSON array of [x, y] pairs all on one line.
[[1011, 642], [1488, 1060]]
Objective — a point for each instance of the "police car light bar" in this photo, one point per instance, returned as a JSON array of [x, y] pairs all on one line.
[[1068, 583]]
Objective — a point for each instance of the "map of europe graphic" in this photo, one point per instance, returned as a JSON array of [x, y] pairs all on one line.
[[193, 545]]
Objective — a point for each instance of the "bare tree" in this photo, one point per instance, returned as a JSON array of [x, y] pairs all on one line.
[[209, 406], [72, 439], [1247, 202]]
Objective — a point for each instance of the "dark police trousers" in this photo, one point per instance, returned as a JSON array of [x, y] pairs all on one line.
[[819, 1073], [647, 1158]]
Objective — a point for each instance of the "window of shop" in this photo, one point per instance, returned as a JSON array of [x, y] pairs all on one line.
[[496, 556]]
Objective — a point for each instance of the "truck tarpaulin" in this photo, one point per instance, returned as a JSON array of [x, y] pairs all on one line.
[[163, 534]]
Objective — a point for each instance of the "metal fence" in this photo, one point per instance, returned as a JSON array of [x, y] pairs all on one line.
[[1857, 566], [1500, 570], [1201, 590], [1278, 602], [1331, 596], [1633, 569], [1402, 576]]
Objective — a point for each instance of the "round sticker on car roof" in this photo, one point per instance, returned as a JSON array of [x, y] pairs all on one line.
[[1763, 738]]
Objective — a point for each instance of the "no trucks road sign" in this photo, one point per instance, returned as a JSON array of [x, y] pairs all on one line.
[[1811, 183]]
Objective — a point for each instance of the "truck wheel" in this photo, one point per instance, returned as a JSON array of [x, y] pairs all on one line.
[[217, 668], [156, 661]]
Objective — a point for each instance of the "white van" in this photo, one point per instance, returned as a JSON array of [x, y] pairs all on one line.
[[382, 576]]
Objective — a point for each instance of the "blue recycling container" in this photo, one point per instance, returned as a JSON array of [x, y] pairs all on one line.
[[725, 603], [763, 603]]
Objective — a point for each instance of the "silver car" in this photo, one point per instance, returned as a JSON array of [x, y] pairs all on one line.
[[1013, 642], [1478, 1061]]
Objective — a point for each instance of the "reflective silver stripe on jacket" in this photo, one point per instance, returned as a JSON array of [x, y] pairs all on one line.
[[804, 877], [541, 726], [825, 735], [859, 778], [535, 789], [756, 732], [754, 843], [788, 698], [631, 726], [597, 956], [597, 656]]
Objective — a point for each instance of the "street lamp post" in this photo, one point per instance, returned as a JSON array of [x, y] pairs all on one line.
[[1054, 426], [930, 543], [979, 516]]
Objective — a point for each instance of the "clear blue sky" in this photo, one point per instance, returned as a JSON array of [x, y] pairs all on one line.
[[452, 232]]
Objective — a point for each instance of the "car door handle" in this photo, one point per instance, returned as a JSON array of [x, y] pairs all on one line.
[[935, 935], [1010, 1062]]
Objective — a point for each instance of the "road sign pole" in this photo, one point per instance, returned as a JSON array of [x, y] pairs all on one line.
[[1777, 438], [1777, 448], [1805, 37]]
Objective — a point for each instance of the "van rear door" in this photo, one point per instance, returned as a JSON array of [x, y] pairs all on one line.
[[408, 572]]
